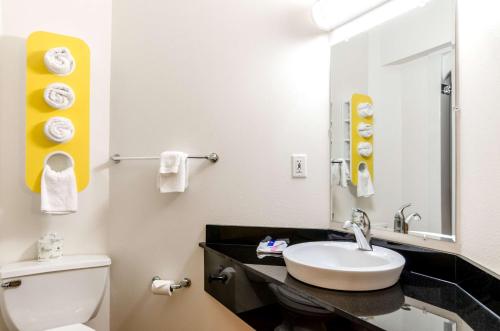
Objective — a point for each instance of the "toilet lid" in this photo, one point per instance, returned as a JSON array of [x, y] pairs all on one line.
[[72, 327]]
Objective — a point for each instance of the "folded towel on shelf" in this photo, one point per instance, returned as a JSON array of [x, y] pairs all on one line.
[[173, 172], [59, 129], [340, 173], [58, 191], [59, 96], [365, 185], [59, 61]]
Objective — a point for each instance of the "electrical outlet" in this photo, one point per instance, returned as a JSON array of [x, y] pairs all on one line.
[[299, 165]]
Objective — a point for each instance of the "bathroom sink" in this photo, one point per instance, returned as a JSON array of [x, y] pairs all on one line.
[[342, 266]]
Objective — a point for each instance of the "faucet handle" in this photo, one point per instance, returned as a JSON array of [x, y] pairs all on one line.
[[411, 217], [347, 225]]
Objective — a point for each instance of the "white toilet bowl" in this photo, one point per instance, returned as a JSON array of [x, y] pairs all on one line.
[[58, 295]]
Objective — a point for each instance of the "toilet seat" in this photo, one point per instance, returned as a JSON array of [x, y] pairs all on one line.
[[72, 327]]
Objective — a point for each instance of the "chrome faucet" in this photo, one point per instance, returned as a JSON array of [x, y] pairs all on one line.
[[402, 222], [360, 225]]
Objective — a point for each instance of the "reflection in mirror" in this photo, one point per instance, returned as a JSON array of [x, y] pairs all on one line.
[[410, 315], [392, 123]]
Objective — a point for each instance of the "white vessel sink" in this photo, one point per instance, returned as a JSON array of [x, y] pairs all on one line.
[[342, 266]]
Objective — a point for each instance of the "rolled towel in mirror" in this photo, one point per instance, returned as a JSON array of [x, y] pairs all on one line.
[[365, 149], [59, 61], [365, 130], [59, 96], [59, 129], [365, 110]]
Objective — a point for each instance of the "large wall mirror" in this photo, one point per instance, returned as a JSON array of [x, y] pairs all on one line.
[[393, 123]]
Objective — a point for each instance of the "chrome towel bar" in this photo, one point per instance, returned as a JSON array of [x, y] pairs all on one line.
[[117, 158]]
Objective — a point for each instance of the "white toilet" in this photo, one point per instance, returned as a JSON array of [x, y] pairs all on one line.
[[58, 295]]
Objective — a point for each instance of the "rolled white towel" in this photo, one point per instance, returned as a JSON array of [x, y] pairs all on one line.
[[365, 110], [365, 149], [59, 96], [59, 61], [59, 129], [365, 130]]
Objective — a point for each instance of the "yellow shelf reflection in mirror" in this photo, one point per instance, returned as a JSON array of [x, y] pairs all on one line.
[[361, 112]]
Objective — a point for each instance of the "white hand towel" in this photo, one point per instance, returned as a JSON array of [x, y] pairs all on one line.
[[59, 194], [59, 96], [365, 185], [173, 173], [59, 129], [59, 61], [340, 173]]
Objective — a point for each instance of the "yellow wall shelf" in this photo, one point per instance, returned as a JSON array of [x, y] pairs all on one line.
[[38, 112]]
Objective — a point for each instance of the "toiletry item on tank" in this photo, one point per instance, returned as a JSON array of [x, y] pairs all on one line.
[[50, 246]]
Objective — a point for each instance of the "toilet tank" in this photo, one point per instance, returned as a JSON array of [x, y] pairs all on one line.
[[50, 294]]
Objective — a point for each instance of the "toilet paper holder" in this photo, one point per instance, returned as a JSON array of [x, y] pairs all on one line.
[[185, 282]]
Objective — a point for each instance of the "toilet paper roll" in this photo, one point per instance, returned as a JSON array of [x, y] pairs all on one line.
[[161, 287]]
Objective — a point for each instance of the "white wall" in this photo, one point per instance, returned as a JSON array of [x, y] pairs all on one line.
[[20, 219], [405, 36], [479, 159], [421, 137], [246, 79]]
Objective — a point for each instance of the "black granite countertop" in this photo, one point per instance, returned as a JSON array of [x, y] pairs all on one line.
[[424, 298]]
